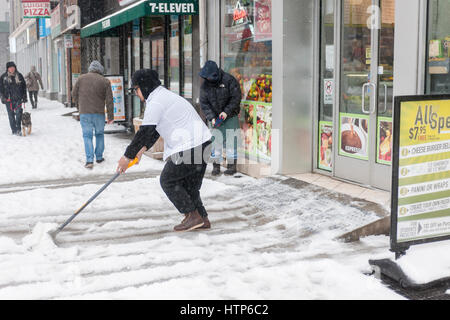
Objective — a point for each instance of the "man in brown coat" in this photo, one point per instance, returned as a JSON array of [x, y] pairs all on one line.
[[33, 80], [91, 93]]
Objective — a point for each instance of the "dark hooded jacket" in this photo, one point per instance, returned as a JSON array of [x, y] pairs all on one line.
[[220, 92], [13, 87]]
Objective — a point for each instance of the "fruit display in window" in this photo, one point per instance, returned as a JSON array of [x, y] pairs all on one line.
[[254, 88], [261, 88], [235, 73]]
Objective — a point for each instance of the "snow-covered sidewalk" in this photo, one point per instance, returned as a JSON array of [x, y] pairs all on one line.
[[55, 149], [268, 241], [123, 246]]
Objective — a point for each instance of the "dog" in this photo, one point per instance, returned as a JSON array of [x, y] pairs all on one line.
[[26, 123]]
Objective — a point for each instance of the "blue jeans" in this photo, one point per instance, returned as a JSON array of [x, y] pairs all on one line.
[[15, 116], [93, 124], [220, 140]]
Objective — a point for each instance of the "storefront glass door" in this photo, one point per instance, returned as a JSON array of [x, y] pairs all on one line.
[[363, 110], [153, 45]]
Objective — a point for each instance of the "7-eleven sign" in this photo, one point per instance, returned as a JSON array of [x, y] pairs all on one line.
[[36, 9]]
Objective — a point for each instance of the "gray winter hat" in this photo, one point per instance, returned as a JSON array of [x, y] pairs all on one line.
[[96, 67]]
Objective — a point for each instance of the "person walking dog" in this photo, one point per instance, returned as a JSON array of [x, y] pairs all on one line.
[[91, 93], [33, 80], [220, 100], [13, 93], [187, 149]]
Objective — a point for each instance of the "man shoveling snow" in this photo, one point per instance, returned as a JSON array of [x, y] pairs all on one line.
[[187, 146]]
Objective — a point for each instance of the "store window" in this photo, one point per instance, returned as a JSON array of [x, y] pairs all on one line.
[[138, 106], [438, 68], [153, 45], [247, 55], [187, 57], [174, 57], [146, 50], [161, 51], [326, 102]]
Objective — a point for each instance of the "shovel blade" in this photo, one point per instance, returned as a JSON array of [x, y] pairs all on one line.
[[52, 234]]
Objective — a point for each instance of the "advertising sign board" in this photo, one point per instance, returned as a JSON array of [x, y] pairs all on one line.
[[118, 97], [420, 209], [68, 41], [36, 9]]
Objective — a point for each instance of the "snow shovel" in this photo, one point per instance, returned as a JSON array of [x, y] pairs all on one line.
[[53, 233]]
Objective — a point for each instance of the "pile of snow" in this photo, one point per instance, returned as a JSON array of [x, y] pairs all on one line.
[[115, 127], [40, 239], [426, 262]]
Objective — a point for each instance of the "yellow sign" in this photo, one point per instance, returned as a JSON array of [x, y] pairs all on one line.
[[424, 170], [425, 122]]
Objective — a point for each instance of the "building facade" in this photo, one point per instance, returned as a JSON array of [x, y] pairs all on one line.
[[30, 45], [42, 43], [130, 35], [319, 77], [66, 46], [4, 33]]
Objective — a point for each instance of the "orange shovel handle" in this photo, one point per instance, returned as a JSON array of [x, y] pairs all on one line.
[[132, 163]]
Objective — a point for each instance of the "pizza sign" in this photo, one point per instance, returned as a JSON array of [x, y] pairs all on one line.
[[36, 9]]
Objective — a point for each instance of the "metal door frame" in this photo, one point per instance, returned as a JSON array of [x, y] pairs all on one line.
[[415, 81], [365, 172]]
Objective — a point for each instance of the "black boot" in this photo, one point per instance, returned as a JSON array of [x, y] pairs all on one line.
[[231, 168], [216, 169]]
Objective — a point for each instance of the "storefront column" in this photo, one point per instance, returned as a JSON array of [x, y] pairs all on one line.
[[203, 32], [196, 66], [410, 47], [53, 58], [293, 86], [213, 10]]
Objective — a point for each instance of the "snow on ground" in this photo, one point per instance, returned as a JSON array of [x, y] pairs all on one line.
[[426, 262], [268, 241], [55, 148], [123, 247]]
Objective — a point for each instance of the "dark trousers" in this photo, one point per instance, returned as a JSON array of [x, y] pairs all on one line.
[[181, 180], [33, 98], [15, 116]]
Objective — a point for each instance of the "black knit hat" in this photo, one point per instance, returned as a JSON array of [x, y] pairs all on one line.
[[210, 71], [147, 80], [10, 64]]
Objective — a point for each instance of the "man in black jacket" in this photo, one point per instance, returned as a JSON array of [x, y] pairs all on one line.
[[13, 92], [187, 143], [220, 98]]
